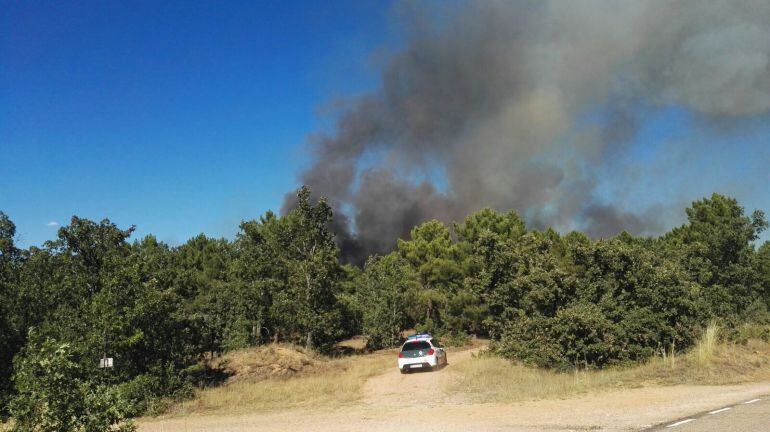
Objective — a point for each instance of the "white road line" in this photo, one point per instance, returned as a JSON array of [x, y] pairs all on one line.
[[752, 401], [679, 423], [719, 410]]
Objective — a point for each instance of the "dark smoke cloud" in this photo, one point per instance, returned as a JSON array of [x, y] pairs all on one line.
[[606, 221], [503, 98]]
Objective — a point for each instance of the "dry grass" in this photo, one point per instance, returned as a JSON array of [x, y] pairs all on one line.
[[317, 382], [269, 361], [712, 363], [356, 344], [707, 346], [492, 379]]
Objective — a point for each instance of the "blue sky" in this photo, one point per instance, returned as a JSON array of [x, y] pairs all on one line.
[[177, 117], [187, 117]]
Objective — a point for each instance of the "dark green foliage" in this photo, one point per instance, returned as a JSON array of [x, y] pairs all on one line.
[[762, 270], [351, 304], [436, 260], [289, 269], [149, 393], [387, 289], [10, 339], [306, 302], [610, 302], [54, 394], [716, 248]]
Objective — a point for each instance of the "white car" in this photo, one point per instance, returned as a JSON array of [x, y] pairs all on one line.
[[421, 351]]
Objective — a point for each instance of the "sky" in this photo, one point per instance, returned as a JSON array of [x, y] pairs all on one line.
[[185, 117], [178, 117]]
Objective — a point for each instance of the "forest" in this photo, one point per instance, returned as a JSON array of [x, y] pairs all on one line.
[[543, 298]]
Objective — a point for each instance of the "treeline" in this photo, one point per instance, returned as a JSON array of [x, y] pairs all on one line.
[[547, 299]]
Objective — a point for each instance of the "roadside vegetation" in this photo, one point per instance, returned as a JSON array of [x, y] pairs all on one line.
[[550, 303]]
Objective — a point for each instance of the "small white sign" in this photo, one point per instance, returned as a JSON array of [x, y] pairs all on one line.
[[105, 362]]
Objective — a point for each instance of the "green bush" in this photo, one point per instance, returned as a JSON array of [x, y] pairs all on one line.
[[53, 396], [150, 393], [454, 339], [617, 303], [744, 333]]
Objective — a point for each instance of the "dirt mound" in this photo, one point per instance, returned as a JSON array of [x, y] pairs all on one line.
[[269, 361]]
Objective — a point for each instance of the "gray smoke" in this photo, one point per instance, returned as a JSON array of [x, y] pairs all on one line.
[[524, 105]]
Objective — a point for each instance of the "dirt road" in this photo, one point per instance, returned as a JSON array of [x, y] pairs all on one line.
[[424, 388], [395, 402]]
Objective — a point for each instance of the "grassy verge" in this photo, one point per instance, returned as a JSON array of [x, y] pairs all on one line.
[[336, 382], [492, 379]]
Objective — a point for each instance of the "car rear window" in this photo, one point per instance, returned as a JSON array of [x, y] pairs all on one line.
[[414, 346]]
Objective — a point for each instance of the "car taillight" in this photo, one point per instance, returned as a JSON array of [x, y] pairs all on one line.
[[400, 355], [430, 351]]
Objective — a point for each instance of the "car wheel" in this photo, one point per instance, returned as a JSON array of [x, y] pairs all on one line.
[[404, 371]]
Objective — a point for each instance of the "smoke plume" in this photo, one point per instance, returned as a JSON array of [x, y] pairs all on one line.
[[525, 104]]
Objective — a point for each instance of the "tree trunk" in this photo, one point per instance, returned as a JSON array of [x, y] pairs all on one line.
[[258, 331], [308, 297], [309, 340]]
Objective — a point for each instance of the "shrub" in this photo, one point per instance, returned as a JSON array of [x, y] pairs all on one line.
[[743, 333], [455, 339], [53, 396], [149, 393], [617, 303]]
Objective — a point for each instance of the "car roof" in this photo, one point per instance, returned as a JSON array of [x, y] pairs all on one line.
[[421, 339]]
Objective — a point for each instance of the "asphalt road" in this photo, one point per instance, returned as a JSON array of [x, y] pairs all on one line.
[[752, 415]]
